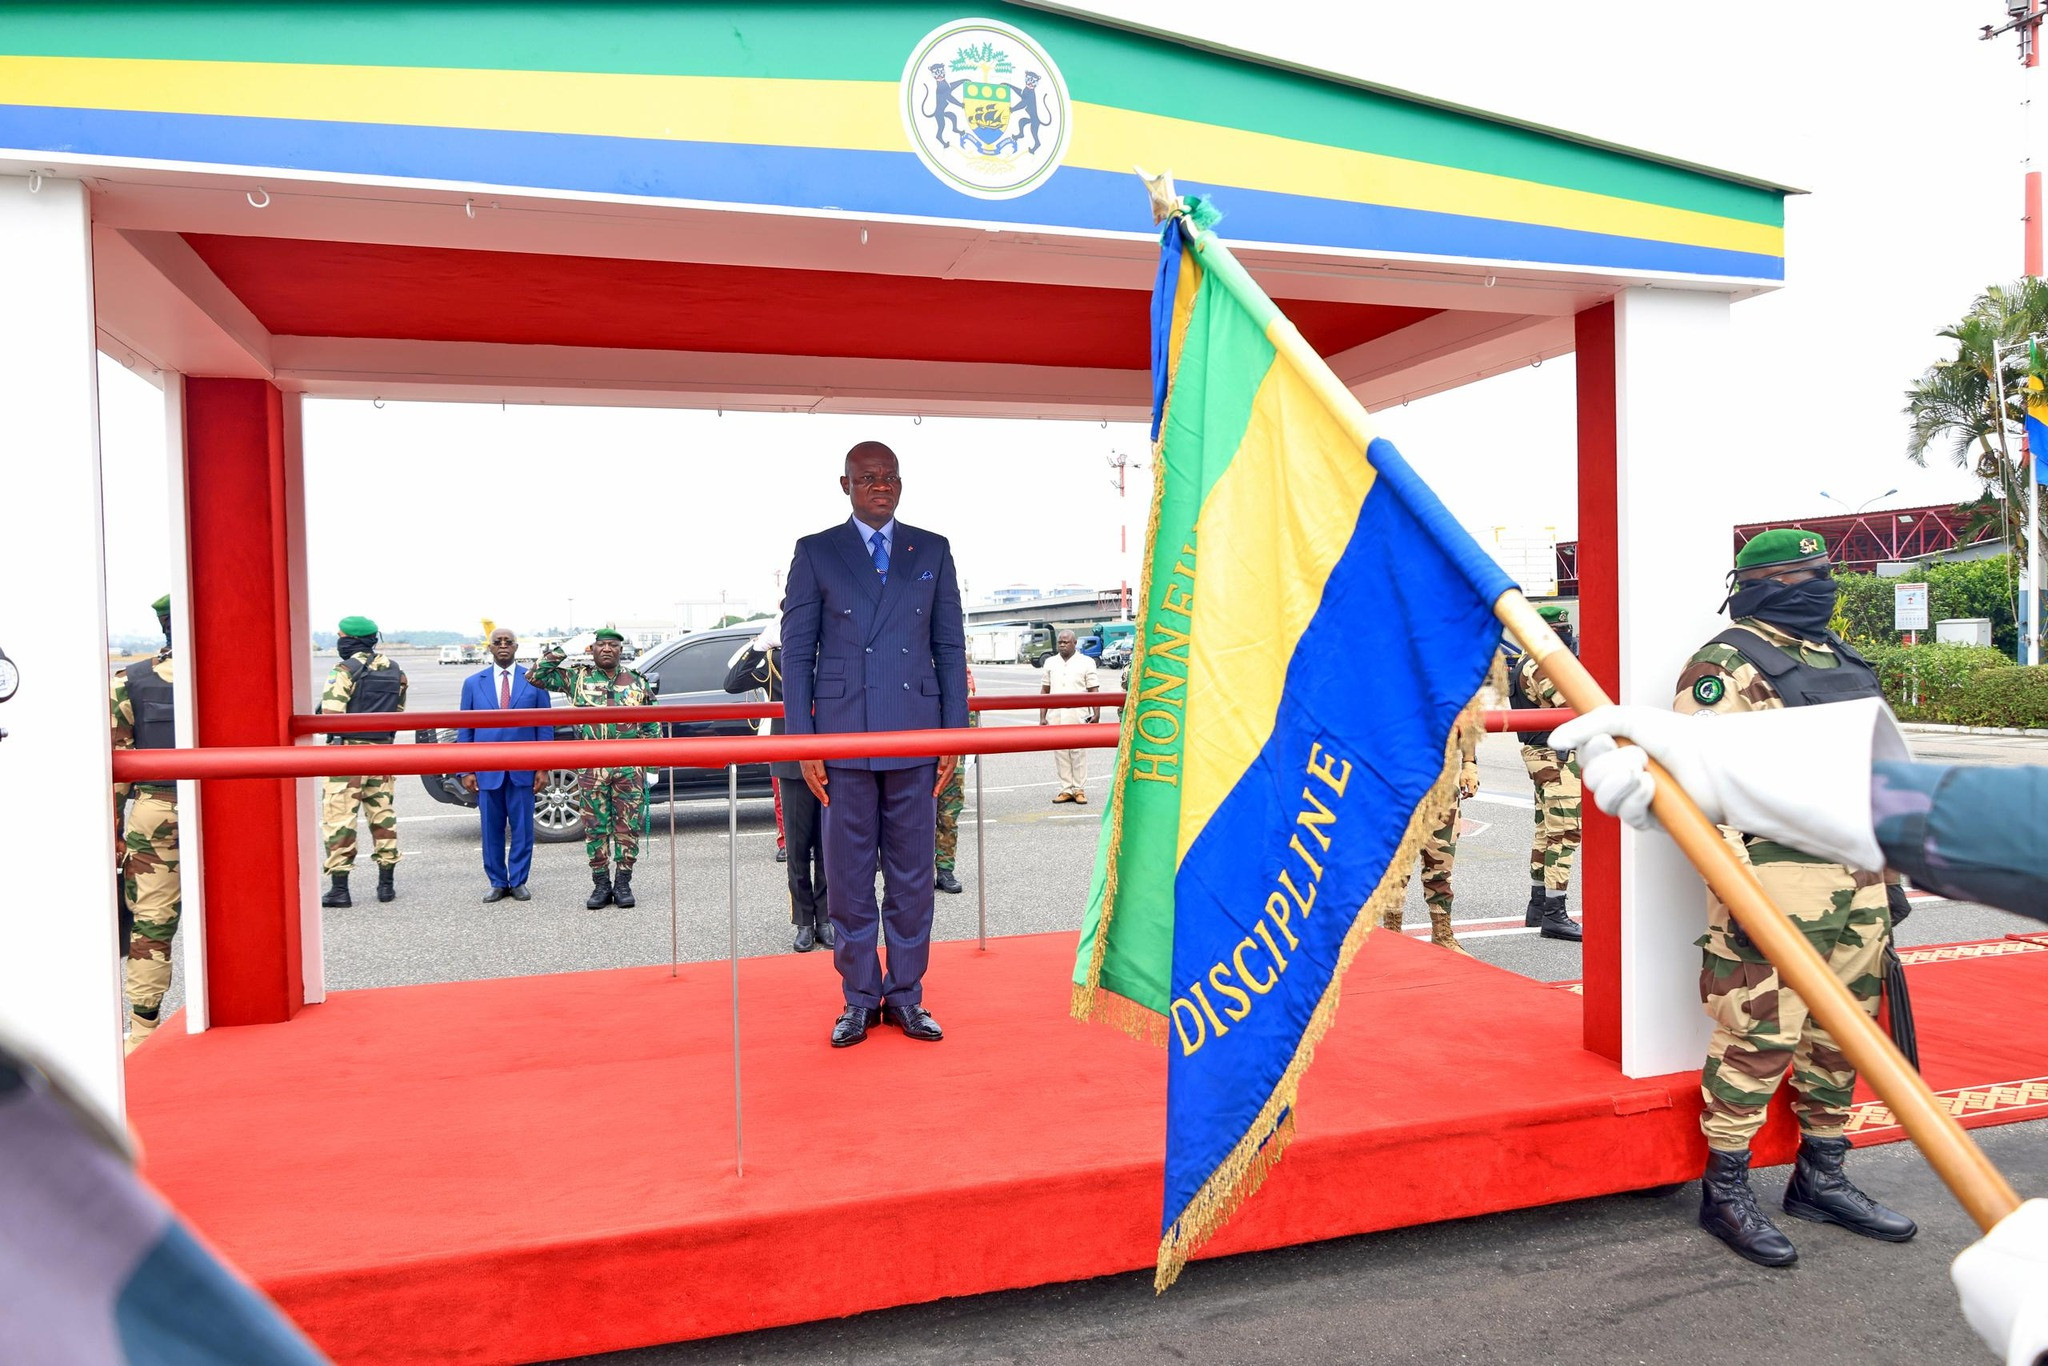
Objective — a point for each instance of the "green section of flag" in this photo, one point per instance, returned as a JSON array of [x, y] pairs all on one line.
[[1223, 361]]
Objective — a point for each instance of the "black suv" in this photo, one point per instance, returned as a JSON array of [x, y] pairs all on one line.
[[685, 671]]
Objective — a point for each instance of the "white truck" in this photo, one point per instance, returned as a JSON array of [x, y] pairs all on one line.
[[999, 643]]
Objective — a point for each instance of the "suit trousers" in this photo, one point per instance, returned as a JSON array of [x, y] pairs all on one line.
[[803, 827], [506, 809], [891, 811]]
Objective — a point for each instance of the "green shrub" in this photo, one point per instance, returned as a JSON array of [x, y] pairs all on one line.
[[2016, 695], [1970, 588], [1937, 673]]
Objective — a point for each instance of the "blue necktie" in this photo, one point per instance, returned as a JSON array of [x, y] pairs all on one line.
[[878, 548]]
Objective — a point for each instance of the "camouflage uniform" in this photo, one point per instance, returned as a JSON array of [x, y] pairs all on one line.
[[1439, 852], [1557, 792], [1761, 1026], [952, 801], [372, 794], [613, 800], [146, 814]]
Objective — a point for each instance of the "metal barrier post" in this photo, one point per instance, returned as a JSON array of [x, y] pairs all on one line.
[[980, 855], [732, 910], [672, 946]]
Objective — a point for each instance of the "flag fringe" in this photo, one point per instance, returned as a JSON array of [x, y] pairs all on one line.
[[1084, 1005], [1238, 1177], [1099, 1005]]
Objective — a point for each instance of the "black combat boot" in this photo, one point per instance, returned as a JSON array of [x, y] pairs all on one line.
[[1556, 924], [601, 889], [1820, 1192], [337, 893], [1728, 1210], [1534, 916], [622, 888], [385, 890]]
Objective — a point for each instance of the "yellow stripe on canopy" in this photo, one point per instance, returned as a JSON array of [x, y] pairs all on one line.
[[1272, 530]]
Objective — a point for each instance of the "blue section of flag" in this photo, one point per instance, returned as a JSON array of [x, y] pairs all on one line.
[[2037, 444], [1399, 645], [1165, 290]]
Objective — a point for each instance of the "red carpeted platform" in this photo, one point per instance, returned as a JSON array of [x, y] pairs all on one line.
[[1977, 1008], [539, 1167]]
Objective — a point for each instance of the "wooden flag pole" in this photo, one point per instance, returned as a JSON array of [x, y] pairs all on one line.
[[1976, 1183]]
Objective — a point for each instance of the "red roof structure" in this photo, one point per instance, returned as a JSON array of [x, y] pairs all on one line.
[[1857, 542]]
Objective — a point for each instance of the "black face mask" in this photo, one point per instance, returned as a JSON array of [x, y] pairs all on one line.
[[1804, 609], [163, 619], [1571, 641], [349, 645]]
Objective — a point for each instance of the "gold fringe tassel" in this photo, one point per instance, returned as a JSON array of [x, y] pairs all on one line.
[[1140, 1022], [1238, 1177]]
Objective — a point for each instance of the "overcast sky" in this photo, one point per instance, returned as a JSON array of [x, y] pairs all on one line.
[[1902, 124]]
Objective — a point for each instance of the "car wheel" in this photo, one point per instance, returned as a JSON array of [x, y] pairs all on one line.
[[557, 815]]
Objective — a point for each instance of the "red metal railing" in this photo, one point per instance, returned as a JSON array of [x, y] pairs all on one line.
[[565, 715], [315, 761]]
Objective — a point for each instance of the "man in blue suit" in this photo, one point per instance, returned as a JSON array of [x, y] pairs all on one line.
[[873, 640], [504, 799]]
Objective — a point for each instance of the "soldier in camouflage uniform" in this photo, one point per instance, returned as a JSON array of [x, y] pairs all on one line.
[[613, 800], [1780, 652], [1557, 799], [1439, 852], [146, 854], [362, 681], [952, 801]]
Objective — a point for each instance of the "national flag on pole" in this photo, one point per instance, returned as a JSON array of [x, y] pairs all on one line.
[[1314, 621], [2037, 412]]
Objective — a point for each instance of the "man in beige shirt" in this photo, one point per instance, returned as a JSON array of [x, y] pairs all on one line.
[[1067, 671]]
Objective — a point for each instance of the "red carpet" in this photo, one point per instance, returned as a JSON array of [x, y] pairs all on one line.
[[538, 1167], [1979, 1011]]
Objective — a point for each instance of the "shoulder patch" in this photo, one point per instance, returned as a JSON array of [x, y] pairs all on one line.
[[1709, 689]]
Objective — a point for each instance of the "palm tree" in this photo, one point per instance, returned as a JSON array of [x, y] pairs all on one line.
[[1976, 399]]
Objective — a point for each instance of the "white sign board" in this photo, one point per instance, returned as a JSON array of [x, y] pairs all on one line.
[[1529, 555], [1909, 607]]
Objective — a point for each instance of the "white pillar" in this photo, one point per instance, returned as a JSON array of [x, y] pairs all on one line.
[[60, 977], [191, 848], [1680, 488], [305, 692]]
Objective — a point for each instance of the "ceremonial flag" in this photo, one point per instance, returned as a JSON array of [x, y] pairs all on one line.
[[1314, 621]]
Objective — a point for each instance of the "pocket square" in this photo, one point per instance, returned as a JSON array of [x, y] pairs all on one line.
[[922, 577]]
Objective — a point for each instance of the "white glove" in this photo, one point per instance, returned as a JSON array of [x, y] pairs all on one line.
[[2003, 1281], [1800, 776]]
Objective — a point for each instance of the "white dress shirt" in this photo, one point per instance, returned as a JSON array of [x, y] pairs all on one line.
[[867, 536]]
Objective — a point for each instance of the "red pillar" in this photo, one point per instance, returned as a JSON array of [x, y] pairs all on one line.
[[235, 474], [1599, 868]]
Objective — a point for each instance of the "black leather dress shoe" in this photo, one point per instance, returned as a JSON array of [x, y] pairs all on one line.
[[825, 934], [944, 880], [915, 1022], [852, 1025], [520, 893], [781, 854], [497, 894], [806, 939]]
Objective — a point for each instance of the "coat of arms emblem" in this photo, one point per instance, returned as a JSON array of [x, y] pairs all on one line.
[[985, 108]]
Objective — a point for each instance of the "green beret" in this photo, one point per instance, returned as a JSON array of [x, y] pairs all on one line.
[[162, 605], [357, 626], [607, 633], [1551, 613], [1782, 545]]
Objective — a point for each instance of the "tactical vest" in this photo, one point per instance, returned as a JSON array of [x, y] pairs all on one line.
[[1800, 684], [376, 691], [149, 693], [1517, 701]]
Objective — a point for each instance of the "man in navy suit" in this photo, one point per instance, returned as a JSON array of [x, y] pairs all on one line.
[[504, 799], [873, 640]]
